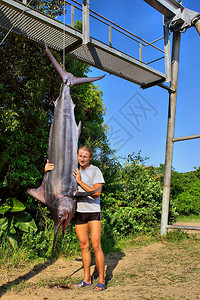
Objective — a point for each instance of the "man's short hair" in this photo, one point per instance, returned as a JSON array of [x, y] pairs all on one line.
[[86, 148]]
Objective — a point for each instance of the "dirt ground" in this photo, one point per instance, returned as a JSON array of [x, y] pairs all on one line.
[[162, 270]]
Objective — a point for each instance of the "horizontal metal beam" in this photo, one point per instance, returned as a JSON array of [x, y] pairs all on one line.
[[168, 88], [184, 227], [184, 138], [168, 8]]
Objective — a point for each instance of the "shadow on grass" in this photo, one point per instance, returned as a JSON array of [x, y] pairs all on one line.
[[36, 270], [111, 261]]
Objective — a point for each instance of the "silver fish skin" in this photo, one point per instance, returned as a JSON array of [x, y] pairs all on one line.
[[61, 185]]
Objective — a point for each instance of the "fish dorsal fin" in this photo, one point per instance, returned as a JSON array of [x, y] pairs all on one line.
[[79, 129], [55, 102]]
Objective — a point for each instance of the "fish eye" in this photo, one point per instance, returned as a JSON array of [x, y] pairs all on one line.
[[60, 217]]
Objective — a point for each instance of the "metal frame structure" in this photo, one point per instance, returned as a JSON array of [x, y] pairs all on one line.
[[29, 23], [20, 19], [176, 18]]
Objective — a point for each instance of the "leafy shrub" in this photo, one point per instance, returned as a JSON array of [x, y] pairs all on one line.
[[126, 221], [40, 244], [15, 218], [187, 200], [136, 203]]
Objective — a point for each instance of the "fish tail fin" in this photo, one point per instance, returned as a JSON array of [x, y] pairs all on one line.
[[81, 80], [67, 77], [63, 74]]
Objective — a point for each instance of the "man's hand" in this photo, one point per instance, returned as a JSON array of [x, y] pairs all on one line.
[[48, 166], [86, 187], [77, 175]]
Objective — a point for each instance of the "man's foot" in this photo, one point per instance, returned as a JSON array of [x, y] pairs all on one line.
[[82, 284], [100, 287]]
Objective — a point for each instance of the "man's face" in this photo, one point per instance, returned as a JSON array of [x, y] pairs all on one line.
[[84, 158]]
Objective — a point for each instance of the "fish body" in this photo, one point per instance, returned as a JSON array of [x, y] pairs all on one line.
[[59, 187]]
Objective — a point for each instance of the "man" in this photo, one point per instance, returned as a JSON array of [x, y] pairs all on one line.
[[88, 216]]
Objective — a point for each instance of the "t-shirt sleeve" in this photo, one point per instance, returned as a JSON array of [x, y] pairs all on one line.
[[97, 176]]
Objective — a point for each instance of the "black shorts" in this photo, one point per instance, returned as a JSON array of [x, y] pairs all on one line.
[[84, 218]]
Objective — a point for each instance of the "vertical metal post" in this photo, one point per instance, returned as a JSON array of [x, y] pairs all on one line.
[[170, 131], [86, 15], [110, 35], [167, 51], [197, 25], [72, 16], [140, 52]]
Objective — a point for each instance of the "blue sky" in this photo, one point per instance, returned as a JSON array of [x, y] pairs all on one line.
[[148, 132]]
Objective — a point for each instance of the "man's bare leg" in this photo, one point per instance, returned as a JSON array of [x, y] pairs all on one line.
[[95, 230], [82, 232]]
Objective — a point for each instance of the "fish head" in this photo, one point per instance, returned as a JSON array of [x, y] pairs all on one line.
[[65, 211]]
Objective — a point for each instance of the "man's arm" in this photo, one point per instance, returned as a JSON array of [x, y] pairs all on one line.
[[86, 187]]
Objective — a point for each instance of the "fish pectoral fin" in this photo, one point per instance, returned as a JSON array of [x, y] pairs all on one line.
[[85, 194], [39, 192]]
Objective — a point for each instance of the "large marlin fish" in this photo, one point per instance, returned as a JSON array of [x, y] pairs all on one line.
[[59, 187]]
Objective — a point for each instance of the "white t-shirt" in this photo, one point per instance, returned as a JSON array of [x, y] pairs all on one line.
[[89, 176]]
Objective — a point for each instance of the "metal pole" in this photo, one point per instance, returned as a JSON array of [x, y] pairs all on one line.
[[72, 16], [140, 52], [197, 26], [167, 51], [86, 15], [170, 131], [110, 35]]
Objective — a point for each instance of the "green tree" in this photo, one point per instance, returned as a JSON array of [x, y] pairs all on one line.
[[29, 85]]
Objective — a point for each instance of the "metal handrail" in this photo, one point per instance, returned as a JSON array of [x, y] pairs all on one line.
[[113, 26], [118, 28]]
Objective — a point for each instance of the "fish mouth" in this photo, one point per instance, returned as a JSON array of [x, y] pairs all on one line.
[[64, 226], [64, 221]]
